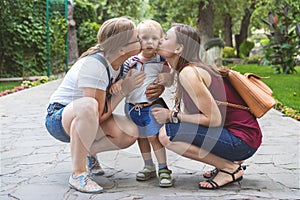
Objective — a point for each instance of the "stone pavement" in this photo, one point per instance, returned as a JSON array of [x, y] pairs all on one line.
[[36, 166]]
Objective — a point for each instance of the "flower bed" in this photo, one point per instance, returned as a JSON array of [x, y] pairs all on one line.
[[287, 111], [26, 84]]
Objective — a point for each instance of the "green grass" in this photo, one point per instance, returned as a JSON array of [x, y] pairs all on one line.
[[8, 85], [286, 87]]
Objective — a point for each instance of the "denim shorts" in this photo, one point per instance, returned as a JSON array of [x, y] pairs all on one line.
[[53, 122], [218, 141], [143, 118]]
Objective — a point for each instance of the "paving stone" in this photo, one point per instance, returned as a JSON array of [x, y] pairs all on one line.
[[36, 166]]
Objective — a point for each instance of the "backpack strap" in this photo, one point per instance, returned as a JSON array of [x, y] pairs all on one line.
[[103, 61], [224, 103]]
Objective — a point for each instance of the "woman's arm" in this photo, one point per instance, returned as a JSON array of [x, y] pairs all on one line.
[[128, 84], [196, 87], [99, 96]]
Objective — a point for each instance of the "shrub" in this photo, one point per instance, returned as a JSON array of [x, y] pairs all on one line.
[[256, 59], [23, 32], [284, 37], [84, 11], [265, 42], [23, 49], [87, 35], [245, 48], [228, 52]]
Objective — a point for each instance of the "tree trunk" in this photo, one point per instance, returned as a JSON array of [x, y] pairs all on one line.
[[228, 30], [72, 38], [205, 22], [244, 28]]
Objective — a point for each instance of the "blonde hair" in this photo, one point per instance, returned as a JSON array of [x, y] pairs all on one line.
[[150, 25], [113, 33]]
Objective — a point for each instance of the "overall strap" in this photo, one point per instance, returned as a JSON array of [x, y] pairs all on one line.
[[103, 61]]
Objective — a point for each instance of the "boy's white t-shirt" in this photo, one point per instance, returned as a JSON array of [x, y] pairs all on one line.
[[86, 72], [151, 69]]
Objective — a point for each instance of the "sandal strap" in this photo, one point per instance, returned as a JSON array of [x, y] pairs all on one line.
[[233, 173], [166, 171], [213, 184], [146, 173], [214, 171]]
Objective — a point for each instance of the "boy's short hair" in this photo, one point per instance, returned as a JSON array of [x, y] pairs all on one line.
[[151, 24]]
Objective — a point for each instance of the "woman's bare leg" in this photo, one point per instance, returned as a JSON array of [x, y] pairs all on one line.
[[196, 153], [117, 132], [80, 120]]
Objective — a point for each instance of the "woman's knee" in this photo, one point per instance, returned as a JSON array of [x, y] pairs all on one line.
[[131, 141], [123, 140], [87, 107], [163, 138]]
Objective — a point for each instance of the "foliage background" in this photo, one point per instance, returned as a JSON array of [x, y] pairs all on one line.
[[23, 25], [23, 38]]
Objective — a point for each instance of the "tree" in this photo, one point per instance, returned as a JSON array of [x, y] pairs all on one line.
[[205, 21], [243, 34], [72, 38], [228, 30]]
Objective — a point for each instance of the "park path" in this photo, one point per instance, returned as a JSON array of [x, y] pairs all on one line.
[[36, 166]]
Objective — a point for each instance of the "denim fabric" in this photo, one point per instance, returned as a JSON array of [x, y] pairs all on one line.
[[53, 122], [143, 118], [218, 141]]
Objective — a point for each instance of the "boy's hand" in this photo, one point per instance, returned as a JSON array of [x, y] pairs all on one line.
[[116, 87], [165, 79]]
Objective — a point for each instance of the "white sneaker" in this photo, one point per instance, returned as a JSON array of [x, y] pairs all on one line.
[[84, 183]]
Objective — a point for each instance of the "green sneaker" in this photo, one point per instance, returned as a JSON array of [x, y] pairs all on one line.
[[147, 173]]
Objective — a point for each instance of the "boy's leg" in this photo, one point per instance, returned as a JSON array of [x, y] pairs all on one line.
[[145, 150], [165, 179], [159, 151], [149, 169]]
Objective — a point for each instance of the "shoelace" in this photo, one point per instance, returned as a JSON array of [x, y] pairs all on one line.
[[93, 162], [84, 182]]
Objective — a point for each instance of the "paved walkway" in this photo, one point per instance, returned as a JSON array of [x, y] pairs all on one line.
[[36, 166]]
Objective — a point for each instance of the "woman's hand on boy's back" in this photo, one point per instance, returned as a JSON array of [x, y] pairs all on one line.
[[154, 91]]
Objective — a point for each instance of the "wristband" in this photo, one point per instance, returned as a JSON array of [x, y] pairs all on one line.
[[170, 119], [175, 119]]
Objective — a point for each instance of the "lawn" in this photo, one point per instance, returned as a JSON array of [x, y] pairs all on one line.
[[8, 85], [286, 87]]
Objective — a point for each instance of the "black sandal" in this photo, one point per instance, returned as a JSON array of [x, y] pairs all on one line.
[[214, 172], [216, 186]]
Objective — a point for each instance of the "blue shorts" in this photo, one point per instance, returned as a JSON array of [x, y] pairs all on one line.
[[53, 122], [143, 118], [218, 141]]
